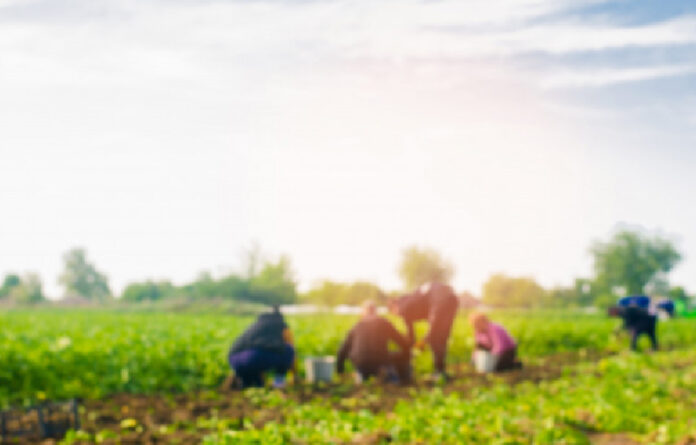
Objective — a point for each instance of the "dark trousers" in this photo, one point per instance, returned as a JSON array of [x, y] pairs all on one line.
[[250, 365], [648, 328], [395, 362], [440, 329], [507, 360]]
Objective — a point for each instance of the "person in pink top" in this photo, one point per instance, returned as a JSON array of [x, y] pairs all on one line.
[[494, 338]]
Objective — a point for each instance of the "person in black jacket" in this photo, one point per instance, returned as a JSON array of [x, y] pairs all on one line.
[[437, 303], [637, 321], [265, 346], [366, 345]]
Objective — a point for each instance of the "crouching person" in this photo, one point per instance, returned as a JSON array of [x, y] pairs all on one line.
[[366, 345], [637, 321], [493, 338], [266, 346]]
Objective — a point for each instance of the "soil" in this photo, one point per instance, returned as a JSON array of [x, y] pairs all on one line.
[[167, 418], [611, 439]]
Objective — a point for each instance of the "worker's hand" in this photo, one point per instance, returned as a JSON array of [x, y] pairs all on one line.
[[420, 345]]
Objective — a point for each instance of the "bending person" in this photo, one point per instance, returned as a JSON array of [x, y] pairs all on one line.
[[366, 345], [493, 338], [266, 346], [437, 303], [637, 321]]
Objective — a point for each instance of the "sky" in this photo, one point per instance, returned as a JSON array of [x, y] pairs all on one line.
[[168, 137]]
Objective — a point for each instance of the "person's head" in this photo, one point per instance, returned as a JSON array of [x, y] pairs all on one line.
[[369, 308], [479, 321], [274, 316]]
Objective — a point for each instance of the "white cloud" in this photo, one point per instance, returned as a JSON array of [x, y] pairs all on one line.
[[579, 78], [560, 38], [212, 41]]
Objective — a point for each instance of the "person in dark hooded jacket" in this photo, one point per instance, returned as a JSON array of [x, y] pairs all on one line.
[[266, 346]]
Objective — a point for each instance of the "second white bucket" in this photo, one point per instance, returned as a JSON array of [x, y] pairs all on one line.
[[319, 369], [484, 361]]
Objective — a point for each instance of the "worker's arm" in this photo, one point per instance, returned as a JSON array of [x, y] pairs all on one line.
[[397, 337], [483, 341], [343, 352], [288, 337], [496, 341]]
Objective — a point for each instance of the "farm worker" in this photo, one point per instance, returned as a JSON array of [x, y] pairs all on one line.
[[266, 345], [642, 301], [637, 321], [366, 345], [665, 306], [496, 339], [437, 303]]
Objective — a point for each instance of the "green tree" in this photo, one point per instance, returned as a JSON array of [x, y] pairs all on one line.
[[81, 278], [11, 280], [273, 283], [148, 291], [233, 287], [326, 293], [360, 291], [204, 286], [423, 265], [630, 260], [582, 293], [678, 293], [28, 291], [503, 291], [331, 293]]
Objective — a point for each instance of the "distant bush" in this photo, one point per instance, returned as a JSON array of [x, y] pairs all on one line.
[[331, 293], [271, 284], [11, 280], [25, 290], [503, 291], [148, 291]]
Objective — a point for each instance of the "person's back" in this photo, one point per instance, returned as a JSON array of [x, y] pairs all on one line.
[[499, 338], [636, 317], [370, 340], [367, 347], [441, 296], [638, 321], [266, 333], [414, 307], [265, 346]]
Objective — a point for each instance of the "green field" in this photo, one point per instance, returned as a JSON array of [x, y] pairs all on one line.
[[575, 386]]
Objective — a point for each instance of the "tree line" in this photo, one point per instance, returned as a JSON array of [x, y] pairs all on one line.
[[630, 262]]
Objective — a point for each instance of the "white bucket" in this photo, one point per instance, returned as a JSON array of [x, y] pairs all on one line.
[[484, 361], [319, 369]]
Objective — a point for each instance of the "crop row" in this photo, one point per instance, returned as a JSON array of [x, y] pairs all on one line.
[[648, 398], [90, 354]]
